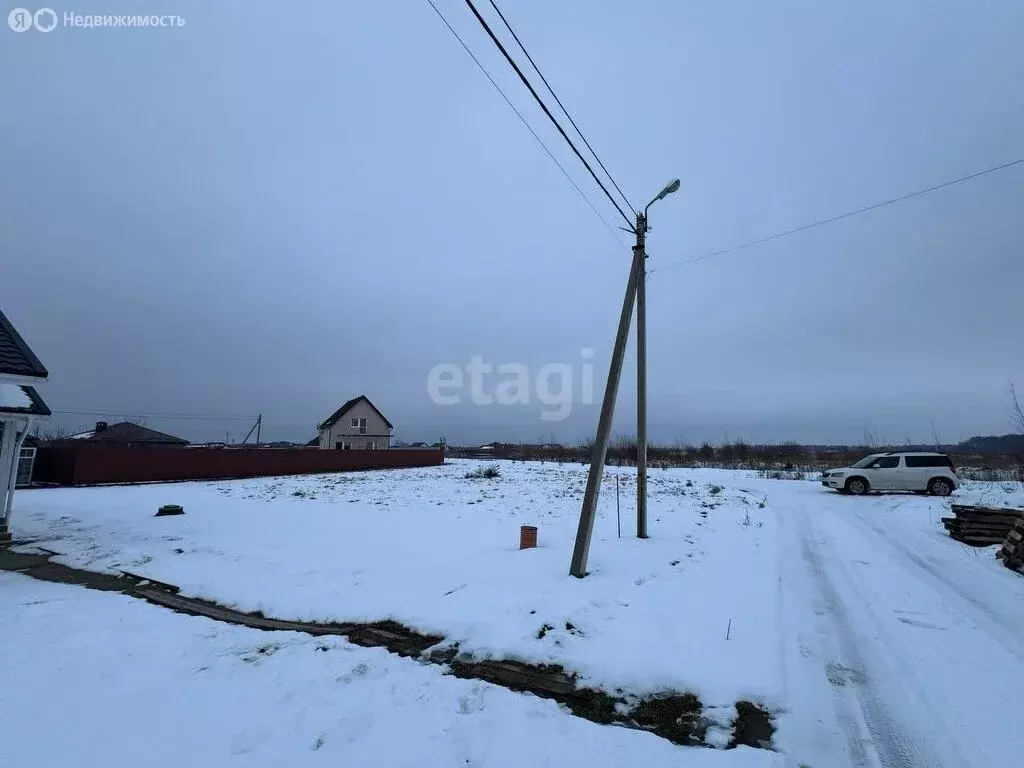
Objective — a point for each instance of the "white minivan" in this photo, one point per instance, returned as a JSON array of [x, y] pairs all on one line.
[[918, 471]]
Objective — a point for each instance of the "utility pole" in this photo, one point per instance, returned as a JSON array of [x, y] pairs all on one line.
[[635, 292], [255, 428], [578, 566], [641, 364], [641, 378]]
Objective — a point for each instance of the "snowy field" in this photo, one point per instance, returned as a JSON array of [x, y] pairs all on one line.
[[439, 553], [98, 679], [857, 620]]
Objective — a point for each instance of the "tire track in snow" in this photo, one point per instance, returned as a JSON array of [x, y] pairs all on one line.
[[806, 736], [886, 743], [998, 627]]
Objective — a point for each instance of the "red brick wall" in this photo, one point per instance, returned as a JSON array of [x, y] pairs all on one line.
[[71, 466]]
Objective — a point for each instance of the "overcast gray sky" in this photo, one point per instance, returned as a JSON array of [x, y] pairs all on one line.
[[279, 206]]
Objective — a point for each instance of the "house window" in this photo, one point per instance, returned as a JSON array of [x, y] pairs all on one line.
[[26, 459], [359, 424], [371, 445], [346, 446], [342, 445]]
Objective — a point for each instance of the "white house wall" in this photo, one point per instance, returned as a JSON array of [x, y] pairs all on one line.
[[377, 429], [12, 435]]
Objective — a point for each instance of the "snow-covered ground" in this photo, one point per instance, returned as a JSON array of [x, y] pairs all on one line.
[[99, 679], [1004, 494], [858, 620], [439, 552]]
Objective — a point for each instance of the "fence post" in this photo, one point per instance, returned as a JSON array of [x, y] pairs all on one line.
[[618, 518]]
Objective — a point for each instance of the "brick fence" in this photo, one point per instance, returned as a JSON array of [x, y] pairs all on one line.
[[89, 466]]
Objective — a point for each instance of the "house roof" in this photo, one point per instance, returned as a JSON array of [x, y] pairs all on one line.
[[333, 418], [16, 359], [126, 432], [22, 400]]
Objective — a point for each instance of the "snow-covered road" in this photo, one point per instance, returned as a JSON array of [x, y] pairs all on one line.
[[917, 644]]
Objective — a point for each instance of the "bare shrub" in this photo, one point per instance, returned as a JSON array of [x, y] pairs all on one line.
[[484, 473], [53, 433]]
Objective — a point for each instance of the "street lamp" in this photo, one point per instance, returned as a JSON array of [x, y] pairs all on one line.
[[672, 186], [635, 293], [641, 363]]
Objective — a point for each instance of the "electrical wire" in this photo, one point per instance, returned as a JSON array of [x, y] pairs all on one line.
[[547, 111], [559, 101], [530, 129], [776, 236]]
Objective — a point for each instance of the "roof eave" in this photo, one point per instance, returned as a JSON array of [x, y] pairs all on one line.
[[37, 370], [349, 405], [38, 410], [14, 378]]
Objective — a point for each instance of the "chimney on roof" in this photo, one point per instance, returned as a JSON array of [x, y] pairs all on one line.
[[101, 426]]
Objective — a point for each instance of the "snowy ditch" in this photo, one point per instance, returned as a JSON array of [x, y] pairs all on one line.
[[672, 715]]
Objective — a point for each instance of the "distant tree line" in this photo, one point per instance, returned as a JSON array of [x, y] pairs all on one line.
[[742, 455], [980, 458]]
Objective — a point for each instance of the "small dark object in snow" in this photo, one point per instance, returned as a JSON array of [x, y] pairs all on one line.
[[675, 716], [754, 726], [169, 509], [543, 631], [483, 472], [179, 551]]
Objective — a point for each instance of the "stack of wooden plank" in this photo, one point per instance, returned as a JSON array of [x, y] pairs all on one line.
[[981, 526], [1012, 552]]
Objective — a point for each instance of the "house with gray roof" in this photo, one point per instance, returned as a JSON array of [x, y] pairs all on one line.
[[126, 434], [20, 407], [357, 424]]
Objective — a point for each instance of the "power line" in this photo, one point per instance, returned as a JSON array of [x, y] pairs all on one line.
[[822, 222], [125, 414], [560, 104], [523, 120], [547, 111]]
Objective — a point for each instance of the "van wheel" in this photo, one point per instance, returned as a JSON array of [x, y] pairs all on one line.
[[940, 487], [858, 486]]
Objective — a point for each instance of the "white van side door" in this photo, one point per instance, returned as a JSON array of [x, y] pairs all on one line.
[[886, 474]]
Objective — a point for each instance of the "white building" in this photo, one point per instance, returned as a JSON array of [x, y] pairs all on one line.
[[356, 425], [20, 406]]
